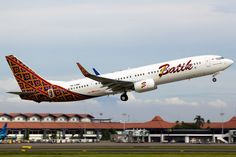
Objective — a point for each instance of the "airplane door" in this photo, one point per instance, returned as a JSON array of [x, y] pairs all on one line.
[[208, 64]]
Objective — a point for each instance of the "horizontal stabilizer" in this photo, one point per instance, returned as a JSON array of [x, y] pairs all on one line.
[[22, 93]]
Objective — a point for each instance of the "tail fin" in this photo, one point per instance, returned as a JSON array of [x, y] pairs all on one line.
[[36, 88], [26, 78], [4, 129]]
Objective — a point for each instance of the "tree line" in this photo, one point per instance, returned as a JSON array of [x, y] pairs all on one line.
[[198, 124]]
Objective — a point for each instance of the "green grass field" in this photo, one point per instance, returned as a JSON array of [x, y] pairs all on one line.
[[27, 154], [118, 151]]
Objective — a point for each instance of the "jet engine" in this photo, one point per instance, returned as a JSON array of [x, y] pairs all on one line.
[[145, 85]]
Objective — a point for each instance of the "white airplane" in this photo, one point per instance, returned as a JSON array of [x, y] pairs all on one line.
[[142, 79]]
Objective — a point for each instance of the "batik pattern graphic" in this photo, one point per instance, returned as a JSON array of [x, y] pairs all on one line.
[[37, 88]]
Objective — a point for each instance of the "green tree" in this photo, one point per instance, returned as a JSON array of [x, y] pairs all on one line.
[[208, 121], [106, 134], [184, 125], [54, 135], [199, 121], [26, 134], [208, 124]]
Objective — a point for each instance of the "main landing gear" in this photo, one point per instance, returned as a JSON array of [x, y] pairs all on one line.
[[124, 97]]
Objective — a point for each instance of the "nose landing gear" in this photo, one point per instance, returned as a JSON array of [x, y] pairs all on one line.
[[124, 97], [214, 77]]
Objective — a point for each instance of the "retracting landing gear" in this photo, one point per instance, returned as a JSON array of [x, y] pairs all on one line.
[[124, 97], [214, 79]]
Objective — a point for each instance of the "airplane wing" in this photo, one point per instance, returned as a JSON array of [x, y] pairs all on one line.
[[115, 85]]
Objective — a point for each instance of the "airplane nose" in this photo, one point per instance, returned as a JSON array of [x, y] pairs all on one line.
[[229, 62]]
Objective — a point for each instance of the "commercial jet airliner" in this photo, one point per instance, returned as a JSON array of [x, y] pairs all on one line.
[[142, 79]]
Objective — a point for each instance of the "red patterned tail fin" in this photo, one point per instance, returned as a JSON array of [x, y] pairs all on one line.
[[36, 88], [27, 79]]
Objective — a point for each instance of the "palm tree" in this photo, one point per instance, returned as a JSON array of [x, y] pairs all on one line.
[[208, 121], [208, 124], [199, 121]]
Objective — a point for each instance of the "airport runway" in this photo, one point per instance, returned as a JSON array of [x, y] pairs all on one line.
[[119, 148]]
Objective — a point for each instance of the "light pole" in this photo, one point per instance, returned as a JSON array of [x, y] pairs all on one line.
[[101, 114], [85, 132], [124, 114], [222, 123]]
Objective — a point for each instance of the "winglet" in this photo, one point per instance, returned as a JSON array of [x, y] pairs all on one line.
[[83, 70], [96, 72]]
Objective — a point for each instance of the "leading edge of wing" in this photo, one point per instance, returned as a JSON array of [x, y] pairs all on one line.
[[105, 81]]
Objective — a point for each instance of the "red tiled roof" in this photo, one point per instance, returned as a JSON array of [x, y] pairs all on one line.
[[32, 114], [157, 118], [17, 114], [86, 115], [231, 124], [62, 125], [157, 122], [5, 114], [55, 115]]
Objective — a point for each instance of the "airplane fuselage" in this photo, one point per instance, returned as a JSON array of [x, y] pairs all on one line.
[[176, 70], [141, 79]]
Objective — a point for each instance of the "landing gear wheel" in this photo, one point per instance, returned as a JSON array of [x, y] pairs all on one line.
[[214, 79], [124, 97]]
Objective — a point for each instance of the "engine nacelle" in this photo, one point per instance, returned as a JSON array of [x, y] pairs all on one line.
[[145, 85]]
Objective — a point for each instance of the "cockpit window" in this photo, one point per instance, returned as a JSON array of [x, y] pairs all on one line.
[[219, 58]]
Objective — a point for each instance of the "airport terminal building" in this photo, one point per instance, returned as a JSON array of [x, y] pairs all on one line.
[[61, 128]]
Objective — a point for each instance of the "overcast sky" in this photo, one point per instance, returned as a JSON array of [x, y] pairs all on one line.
[[50, 36]]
